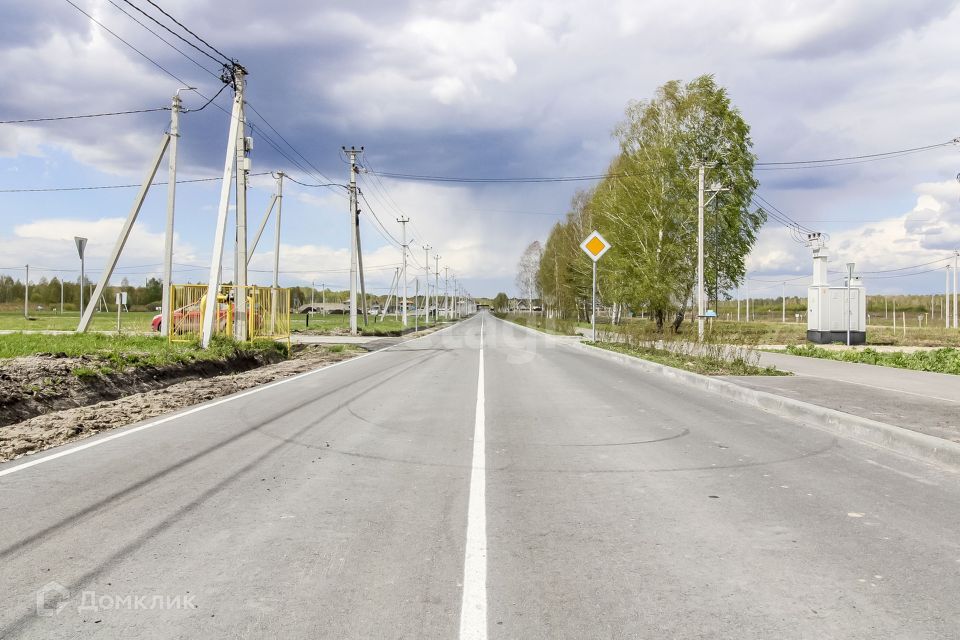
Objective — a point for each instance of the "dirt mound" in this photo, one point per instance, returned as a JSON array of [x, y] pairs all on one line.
[[34, 385], [52, 429]]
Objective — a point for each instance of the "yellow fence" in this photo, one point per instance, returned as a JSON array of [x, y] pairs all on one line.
[[265, 312]]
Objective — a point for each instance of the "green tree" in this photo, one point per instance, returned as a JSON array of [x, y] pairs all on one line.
[[647, 208], [501, 302]]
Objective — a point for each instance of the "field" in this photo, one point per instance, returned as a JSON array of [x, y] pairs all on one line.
[[139, 322], [133, 321], [793, 333]]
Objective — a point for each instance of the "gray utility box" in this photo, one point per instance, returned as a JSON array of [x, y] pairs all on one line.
[[831, 310]]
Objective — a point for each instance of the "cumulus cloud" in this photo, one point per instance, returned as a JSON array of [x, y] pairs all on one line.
[[519, 87]]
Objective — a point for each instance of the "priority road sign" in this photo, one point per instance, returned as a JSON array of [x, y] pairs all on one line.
[[595, 246]]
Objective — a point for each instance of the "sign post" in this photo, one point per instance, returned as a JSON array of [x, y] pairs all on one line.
[[595, 246], [81, 245]]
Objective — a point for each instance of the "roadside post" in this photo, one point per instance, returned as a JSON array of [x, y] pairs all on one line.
[[121, 302], [850, 266], [595, 246], [81, 245]]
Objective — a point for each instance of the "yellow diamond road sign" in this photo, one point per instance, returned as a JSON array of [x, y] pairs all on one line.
[[595, 246]]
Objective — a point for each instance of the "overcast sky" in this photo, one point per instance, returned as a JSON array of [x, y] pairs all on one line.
[[480, 89]]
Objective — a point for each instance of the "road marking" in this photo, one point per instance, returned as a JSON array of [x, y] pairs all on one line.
[[473, 610], [204, 407]]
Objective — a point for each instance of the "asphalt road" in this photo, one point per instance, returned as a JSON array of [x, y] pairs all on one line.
[[598, 502]]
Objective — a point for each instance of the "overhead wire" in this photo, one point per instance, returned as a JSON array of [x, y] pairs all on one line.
[[175, 34], [117, 186], [87, 115]]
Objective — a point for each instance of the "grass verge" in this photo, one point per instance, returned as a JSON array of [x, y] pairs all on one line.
[[553, 326], [706, 365], [946, 360], [114, 353]]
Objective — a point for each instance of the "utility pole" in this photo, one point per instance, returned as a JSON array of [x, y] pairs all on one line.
[[276, 240], [403, 223], [363, 289], [945, 309], [747, 281], [165, 312], [956, 255], [436, 288], [783, 297], [61, 294], [426, 305], [701, 292], [354, 235], [323, 299], [241, 330], [446, 294], [26, 294], [211, 308], [416, 297]]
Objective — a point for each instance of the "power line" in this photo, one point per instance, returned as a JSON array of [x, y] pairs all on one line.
[[141, 53], [172, 32], [272, 128], [87, 115], [328, 184], [227, 59], [115, 186], [429, 178], [875, 156], [162, 39]]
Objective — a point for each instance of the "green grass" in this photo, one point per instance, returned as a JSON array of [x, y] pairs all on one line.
[[134, 321], [115, 353], [946, 360], [789, 333], [703, 364], [554, 326]]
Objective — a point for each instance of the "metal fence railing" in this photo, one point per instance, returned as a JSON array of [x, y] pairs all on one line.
[[253, 312]]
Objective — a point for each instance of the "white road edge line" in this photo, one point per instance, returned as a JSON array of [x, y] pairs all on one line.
[[203, 407], [473, 610]]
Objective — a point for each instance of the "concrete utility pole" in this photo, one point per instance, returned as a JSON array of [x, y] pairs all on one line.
[[165, 311], [436, 287], [426, 282], [26, 294], [240, 328], [124, 235], [276, 239], [701, 204], [416, 297], [956, 255], [747, 282], [446, 292], [403, 223], [946, 299], [352, 152], [783, 297], [211, 306]]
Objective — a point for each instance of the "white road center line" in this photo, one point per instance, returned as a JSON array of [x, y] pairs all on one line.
[[473, 610]]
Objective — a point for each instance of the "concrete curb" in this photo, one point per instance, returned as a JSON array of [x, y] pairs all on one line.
[[898, 439]]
